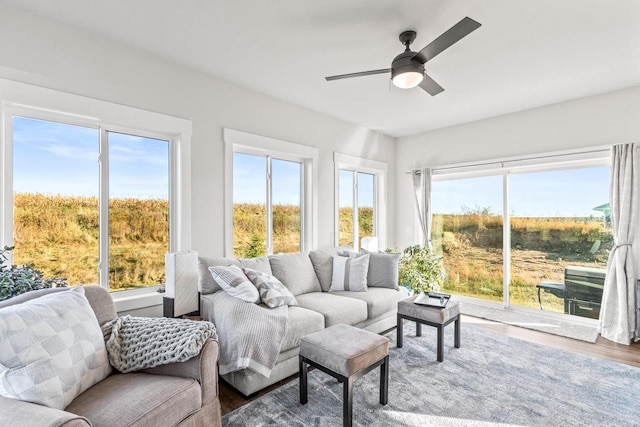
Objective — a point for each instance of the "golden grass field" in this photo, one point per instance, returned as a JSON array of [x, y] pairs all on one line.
[[59, 235], [541, 248]]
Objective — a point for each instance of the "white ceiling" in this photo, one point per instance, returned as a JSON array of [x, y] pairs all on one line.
[[527, 53]]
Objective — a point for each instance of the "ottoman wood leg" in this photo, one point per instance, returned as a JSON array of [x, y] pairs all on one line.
[[456, 338], [440, 343], [303, 380], [418, 329], [399, 332], [347, 403], [384, 381]]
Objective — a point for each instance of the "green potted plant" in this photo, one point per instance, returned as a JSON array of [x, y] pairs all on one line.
[[16, 280], [421, 270]]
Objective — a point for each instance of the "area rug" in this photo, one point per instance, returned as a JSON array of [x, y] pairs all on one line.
[[492, 380], [531, 321]]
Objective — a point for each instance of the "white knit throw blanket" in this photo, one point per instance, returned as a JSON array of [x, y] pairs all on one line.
[[136, 343], [250, 334]]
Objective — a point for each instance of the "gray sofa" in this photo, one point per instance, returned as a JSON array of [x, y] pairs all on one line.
[[308, 277], [177, 394]]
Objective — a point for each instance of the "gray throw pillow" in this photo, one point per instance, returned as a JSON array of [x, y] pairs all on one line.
[[206, 284], [322, 260], [296, 272], [383, 270], [272, 292], [350, 273], [259, 263], [52, 349], [233, 281]]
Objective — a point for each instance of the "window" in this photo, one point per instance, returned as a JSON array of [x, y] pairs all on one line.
[[466, 229], [57, 203], [138, 207], [55, 198], [503, 233], [92, 193], [267, 208], [269, 195], [360, 189], [556, 225]]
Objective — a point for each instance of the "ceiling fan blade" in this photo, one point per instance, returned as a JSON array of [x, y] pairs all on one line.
[[360, 74], [447, 39], [430, 86]]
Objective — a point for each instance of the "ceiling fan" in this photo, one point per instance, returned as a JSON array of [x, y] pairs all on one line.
[[407, 69]]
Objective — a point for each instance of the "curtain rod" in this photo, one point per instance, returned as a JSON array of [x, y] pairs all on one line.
[[502, 162]]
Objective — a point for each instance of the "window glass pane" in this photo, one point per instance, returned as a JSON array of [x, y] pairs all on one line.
[[467, 231], [55, 181], [560, 224], [138, 210], [366, 197], [249, 205], [345, 210], [286, 206]]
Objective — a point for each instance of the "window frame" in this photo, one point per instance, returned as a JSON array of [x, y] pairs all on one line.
[[379, 170], [271, 148], [18, 99]]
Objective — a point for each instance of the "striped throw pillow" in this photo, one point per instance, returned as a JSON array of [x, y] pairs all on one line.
[[233, 281], [350, 273]]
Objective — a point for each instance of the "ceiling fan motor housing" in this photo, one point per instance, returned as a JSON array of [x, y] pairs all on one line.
[[404, 63]]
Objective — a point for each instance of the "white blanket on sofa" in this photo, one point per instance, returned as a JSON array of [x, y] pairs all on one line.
[[250, 335]]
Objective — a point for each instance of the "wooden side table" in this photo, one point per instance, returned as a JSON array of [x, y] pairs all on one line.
[[432, 316]]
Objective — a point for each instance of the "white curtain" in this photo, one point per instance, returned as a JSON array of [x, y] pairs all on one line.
[[618, 312], [422, 193]]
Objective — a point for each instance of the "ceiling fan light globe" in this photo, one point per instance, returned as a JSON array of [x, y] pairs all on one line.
[[407, 80]]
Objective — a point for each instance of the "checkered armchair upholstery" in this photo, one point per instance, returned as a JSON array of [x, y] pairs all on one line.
[[177, 394]]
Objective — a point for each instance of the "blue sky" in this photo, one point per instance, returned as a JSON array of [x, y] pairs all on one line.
[[564, 193], [55, 158], [249, 182]]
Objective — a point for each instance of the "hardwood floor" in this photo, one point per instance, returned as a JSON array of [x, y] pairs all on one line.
[[230, 399]]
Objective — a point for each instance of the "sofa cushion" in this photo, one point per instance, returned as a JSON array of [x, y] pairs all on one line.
[[336, 309], [52, 349], [383, 269], [296, 272], [233, 281], [259, 263], [322, 261], [379, 300], [139, 399], [300, 322], [206, 283], [272, 292], [350, 273]]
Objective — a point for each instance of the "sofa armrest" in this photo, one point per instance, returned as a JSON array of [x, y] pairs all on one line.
[[18, 413], [202, 368]]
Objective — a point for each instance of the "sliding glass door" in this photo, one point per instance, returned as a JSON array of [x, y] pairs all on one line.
[[557, 240]]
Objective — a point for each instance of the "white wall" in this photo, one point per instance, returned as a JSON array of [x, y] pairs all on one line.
[[611, 118], [45, 53]]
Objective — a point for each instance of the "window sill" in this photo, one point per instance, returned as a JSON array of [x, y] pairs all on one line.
[[136, 299]]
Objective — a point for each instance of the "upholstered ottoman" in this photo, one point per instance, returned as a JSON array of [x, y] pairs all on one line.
[[346, 353], [432, 316]]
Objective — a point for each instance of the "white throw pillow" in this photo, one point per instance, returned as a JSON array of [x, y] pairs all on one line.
[[272, 292], [350, 273], [233, 281], [52, 349]]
